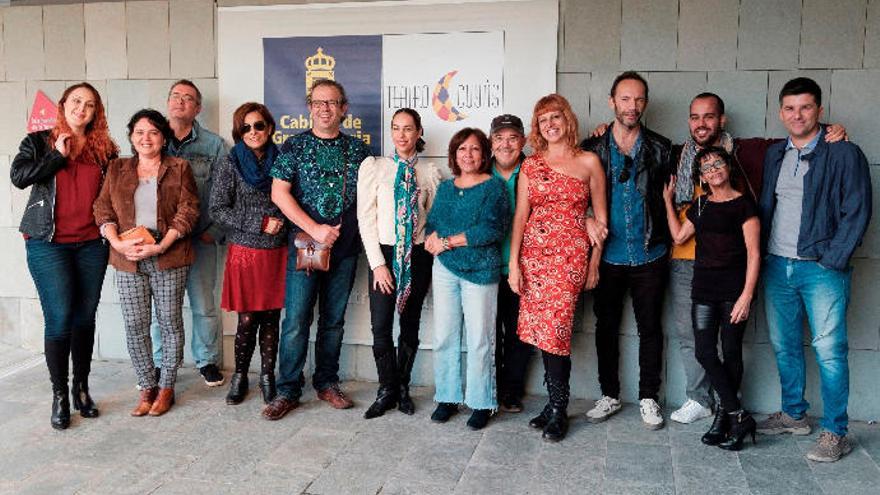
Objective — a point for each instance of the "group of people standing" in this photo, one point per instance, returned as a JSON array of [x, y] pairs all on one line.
[[507, 245]]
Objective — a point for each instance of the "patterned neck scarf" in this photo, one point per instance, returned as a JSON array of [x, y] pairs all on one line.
[[684, 178], [406, 202]]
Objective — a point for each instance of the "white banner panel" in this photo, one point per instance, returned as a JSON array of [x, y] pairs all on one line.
[[454, 80]]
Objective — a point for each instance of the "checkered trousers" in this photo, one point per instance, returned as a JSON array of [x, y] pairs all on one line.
[[166, 288]]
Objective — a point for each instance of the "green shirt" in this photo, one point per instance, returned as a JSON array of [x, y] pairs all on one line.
[[511, 196]]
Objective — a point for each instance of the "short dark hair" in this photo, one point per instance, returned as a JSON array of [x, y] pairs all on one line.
[[328, 82], [462, 136], [738, 179], [800, 86], [157, 120], [718, 100], [242, 112], [187, 82], [630, 74], [420, 143]]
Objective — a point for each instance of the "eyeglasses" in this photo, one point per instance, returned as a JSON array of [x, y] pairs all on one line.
[[177, 98], [258, 126], [712, 166], [627, 166], [324, 103]]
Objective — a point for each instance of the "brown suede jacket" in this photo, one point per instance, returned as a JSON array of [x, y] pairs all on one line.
[[178, 207]]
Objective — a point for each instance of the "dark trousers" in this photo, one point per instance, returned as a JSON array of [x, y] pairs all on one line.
[[511, 354], [383, 306], [647, 284], [710, 319], [68, 278]]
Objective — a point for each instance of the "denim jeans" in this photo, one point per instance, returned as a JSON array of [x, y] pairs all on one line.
[[795, 288], [458, 301], [201, 285], [330, 290], [69, 278], [681, 274]]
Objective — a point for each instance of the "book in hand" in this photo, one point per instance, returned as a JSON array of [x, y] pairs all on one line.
[[139, 232]]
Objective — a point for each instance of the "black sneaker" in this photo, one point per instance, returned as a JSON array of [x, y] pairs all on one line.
[[212, 375], [444, 411], [479, 419]]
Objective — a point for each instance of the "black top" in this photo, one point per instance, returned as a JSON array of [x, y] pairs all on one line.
[[720, 258]]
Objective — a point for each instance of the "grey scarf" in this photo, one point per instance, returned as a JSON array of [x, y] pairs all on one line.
[[684, 178]]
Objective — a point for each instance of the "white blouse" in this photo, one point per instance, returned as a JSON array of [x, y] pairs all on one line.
[[375, 204]]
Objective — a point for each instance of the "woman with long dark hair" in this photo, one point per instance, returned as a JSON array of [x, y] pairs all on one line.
[[394, 196], [253, 281], [67, 259]]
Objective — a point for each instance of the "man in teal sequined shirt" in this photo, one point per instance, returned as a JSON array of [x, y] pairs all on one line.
[[315, 185]]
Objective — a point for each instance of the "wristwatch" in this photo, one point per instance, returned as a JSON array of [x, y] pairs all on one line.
[[445, 242]]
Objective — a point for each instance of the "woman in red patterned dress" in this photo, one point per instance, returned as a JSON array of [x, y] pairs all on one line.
[[550, 256]]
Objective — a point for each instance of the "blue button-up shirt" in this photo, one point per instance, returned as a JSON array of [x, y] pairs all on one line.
[[626, 243]]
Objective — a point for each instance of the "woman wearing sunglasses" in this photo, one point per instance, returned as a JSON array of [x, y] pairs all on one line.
[[726, 265], [256, 261]]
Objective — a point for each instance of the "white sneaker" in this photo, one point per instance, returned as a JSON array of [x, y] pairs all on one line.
[[604, 408], [690, 411], [651, 414]]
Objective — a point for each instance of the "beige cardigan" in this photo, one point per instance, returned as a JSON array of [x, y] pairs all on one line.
[[375, 204]]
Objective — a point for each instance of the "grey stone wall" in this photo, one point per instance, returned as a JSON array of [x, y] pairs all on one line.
[[742, 49]]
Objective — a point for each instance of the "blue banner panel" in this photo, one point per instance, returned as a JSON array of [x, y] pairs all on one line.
[[291, 65]]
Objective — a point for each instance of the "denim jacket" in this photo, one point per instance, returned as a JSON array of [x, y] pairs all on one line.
[[203, 150], [836, 204], [652, 172]]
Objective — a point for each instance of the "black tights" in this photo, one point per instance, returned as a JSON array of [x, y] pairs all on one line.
[[710, 319], [246, 339]]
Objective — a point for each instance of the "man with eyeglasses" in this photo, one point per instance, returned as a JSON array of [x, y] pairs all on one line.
[[511, 354], [315, 185], [634, 258], [204, 150]]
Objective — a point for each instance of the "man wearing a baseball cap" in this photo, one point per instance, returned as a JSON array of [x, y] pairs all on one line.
[[511, 354]]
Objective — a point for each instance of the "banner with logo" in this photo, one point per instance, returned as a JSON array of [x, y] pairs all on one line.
[[291, 65], [454, 80]]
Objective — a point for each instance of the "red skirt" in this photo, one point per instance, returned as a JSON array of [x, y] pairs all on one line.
[[254, 279]]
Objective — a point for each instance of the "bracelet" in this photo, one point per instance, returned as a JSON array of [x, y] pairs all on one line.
[[445, 242]]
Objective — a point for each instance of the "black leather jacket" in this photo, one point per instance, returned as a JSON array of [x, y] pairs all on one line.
[[652, 172], [35, 166]]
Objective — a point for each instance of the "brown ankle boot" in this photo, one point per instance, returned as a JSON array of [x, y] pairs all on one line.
[[148, 395], [163, 402]]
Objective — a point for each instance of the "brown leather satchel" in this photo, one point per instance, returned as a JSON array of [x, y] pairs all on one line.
[[312, 255]]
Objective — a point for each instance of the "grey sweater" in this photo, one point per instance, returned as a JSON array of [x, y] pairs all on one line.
[[240, 208]]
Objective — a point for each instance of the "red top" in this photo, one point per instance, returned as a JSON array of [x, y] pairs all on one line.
[[76, 187]]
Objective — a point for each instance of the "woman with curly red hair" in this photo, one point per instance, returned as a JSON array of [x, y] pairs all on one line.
[[64, 167], [550, 256]]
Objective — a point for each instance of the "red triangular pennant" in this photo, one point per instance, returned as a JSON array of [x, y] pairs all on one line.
[[43, 113]]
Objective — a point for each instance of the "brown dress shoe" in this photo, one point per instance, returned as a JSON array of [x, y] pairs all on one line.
[[279, 407], [163, 402], [335, 397], [148, 395]]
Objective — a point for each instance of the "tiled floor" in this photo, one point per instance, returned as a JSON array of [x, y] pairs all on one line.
[[204, 446]]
